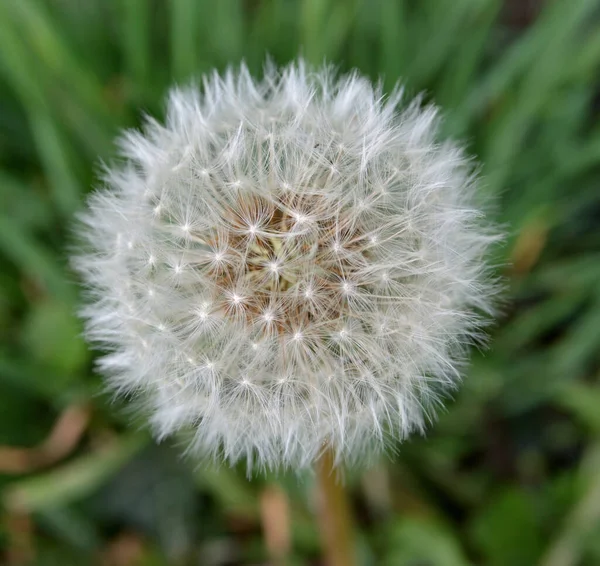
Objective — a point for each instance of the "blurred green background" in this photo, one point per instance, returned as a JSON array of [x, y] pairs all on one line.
[[509, 476]]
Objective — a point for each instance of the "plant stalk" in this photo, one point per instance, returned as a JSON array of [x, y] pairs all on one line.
[[335, 514]]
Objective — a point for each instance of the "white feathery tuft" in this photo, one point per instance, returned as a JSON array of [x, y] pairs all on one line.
[[287, 264]]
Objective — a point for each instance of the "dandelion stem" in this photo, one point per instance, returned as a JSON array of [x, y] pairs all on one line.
[[275, 517], [334, 514]]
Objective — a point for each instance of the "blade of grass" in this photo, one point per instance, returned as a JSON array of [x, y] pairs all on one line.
[[582, 401], [432, 48], [186, 28], [38, 381], [459, 72], [48, 139], [537, 320], [53, 151], [507, 132], [394, 37], [579, 347], [228, 34], [587, 62], [566, 546], [23, 204], [74, 480], [34, 85], [33, 258], [567, 274], [520, 55], [46, 41], [16, 63], [269, 29], [352, 25], [136, 42], [313, 15]]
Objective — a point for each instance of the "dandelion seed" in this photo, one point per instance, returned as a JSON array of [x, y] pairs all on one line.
[[328, 237]]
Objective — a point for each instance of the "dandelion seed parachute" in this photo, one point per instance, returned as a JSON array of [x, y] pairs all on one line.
[[286, 264]]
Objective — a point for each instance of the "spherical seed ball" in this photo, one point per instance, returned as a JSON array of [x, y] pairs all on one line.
[[286, 264]]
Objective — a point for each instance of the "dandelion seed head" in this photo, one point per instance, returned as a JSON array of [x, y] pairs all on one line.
[[301, 252]]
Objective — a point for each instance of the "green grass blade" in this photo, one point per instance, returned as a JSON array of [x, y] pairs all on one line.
[[54, 54], [74, 480], [185, 30], [33, 258], [394, 41], [136, 42], [54, 153]]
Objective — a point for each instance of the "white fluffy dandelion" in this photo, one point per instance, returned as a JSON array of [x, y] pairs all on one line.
[[286, 265]]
